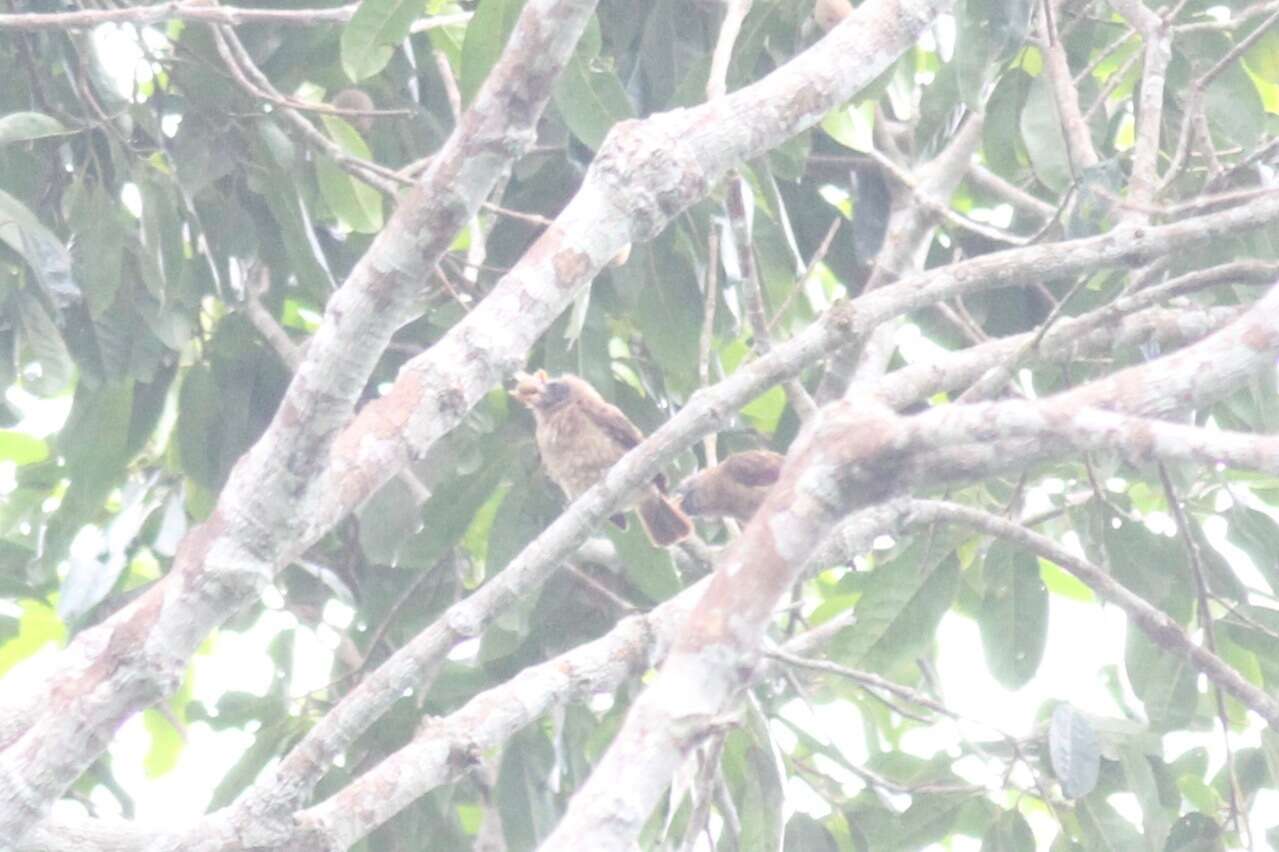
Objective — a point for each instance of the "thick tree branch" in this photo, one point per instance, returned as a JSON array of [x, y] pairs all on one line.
[[646, 173], [409, 419], [137, 656], [858, 453], [158, 13]]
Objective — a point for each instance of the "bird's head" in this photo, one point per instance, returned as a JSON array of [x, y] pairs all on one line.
[[540, 392]]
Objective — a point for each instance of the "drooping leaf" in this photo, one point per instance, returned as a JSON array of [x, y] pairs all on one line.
[[1074, 751], [25, 126], [374, 31], [1014, 615], [486, 35]]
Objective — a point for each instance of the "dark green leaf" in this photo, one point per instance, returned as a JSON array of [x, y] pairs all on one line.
[[377, 27], [1009, 833], [1074, 751], [486, 35], [1014, 614], [1164, 681], [901, 607], [24, 126]]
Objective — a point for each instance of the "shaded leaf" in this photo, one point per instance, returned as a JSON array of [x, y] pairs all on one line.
[[24, 126], [376, 28], [1074, 751], [1014, 614]]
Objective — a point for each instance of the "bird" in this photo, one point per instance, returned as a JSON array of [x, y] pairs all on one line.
[[580, 436], [734, 488]]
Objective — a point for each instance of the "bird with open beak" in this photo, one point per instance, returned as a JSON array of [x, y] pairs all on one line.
[[734, 488], [580, 436]]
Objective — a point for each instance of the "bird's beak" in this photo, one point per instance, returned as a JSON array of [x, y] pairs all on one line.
[[528, 387]]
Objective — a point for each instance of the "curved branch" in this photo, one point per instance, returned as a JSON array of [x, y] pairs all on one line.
[[1161, 629], [137, 656], [159, 13], [858, 453]]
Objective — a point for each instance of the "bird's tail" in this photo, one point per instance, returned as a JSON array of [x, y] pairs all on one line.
[[663, 521]]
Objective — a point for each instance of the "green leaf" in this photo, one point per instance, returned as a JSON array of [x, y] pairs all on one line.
[[901, 607], [194, 441], [166, 744], [764, 412], [651, 569], [279, 189], [1002, 127], [38, 246], [37, 627], [1104, 829], [356, 204], [387, 520], [1262, 56], [1165, 682], [447, 513], [486, 35], [753, 772], [1074, 750], [1195, 832], [1041, 132], [659, 287], [21, 448], [591, 99], [24, 126], [1014, 614], [522, 796], [1060, 582], [1257, 534], [1154, 566], [376, 28], [929, 819], [1236, 113], [98, 252], [805, 834], [1009, 833]]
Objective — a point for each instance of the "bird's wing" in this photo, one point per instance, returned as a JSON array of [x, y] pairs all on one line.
[[610, 419], [759, 467]]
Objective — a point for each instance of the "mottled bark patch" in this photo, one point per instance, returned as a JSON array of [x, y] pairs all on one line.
[[1258, 339], [572, 268]]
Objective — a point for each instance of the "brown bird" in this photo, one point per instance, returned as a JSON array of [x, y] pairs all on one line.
[[733, 488], [580, 436]]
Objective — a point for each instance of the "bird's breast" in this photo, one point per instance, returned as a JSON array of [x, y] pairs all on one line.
[[575, 451]]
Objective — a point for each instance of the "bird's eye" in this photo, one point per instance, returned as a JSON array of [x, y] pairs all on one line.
[[554, 393]]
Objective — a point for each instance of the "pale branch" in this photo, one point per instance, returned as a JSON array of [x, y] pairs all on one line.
[[1049, 428], [250, 78], [1252, 272], [735, 12], [645, 173], [201, 12], [710, 300], [1068, 341], [389, 430], [421, 396], [1237, 20], [1011, 194], [1144, 181], [1153, 622], [482, 724], [438, 754], [1075, 134], [910, 227], [407, 669], [858, 453], [748, 286], [137, 656]]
